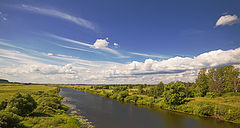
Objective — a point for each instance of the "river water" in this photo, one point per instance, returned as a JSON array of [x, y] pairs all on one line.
[[108, 113]]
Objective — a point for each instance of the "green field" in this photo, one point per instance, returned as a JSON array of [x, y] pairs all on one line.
[[7, 90], [49, 113]]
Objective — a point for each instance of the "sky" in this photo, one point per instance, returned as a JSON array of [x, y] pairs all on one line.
[[116, 42]]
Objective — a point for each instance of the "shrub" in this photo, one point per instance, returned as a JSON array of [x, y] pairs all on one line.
[[53, 102], [114, 96], [9, 120], [122, 95], [174, 94], [131, 99], [210, 95], [21, 104], [206, 110], [3, 105]]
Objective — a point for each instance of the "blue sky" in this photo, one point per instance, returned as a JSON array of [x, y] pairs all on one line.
[[109, 41]]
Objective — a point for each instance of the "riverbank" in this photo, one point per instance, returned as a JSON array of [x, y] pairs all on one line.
[[76, 113], [226, 107]]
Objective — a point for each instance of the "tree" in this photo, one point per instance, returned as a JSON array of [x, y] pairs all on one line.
[[224, 79], [202, 83], [174, 93], [21, 104], [232, 81], [140, 89], [156, 90]]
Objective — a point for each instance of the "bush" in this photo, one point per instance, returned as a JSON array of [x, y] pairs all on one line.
[[210, 95], [9, 120], [21, 104], [206, 110], [174, 94], [122, 95], [131, 99], [53, 102], [3, 105]]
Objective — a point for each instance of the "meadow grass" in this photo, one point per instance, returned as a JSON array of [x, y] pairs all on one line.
[[52, 118], [8, 90]]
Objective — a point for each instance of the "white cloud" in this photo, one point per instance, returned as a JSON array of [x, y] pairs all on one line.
[[183, 64], [8, 45], [79, 49], [227, 20], [115, 44], [69, 69], [147, 55], [50, 54], [70, 40], [55, 13], [3, 16], [19, 57], [101, 44]]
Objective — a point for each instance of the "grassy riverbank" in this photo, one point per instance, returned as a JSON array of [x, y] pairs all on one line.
[[48, 111], [225, 107]]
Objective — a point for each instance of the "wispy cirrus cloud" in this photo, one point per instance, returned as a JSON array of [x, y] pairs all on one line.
[[148, 55], [58, 14], [73, 48], [70, 69], [19, 55], [69, 40], [3, 16], [101, 44]]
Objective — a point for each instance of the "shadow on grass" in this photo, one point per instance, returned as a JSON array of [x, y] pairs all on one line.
[[38, 114]]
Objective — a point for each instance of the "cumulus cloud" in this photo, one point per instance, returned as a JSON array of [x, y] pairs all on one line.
[[227, 20], [50, 54], [74, 70], [115, 44], [182, 64], [55, 13], [101, 44]]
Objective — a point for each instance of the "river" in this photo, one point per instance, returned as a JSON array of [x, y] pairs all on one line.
[[108, 113]]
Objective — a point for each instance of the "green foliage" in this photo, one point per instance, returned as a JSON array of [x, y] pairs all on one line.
[[119, 89], [9, 120], [131, 99], [174, 93], [224, 79], [49, 103], [3, 104], [49, 111], [202, 83], [122, 95], [140, 89], [155, 91], [105, 86], [21, 104], [206, 110], [211, 95], [231, 94]]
